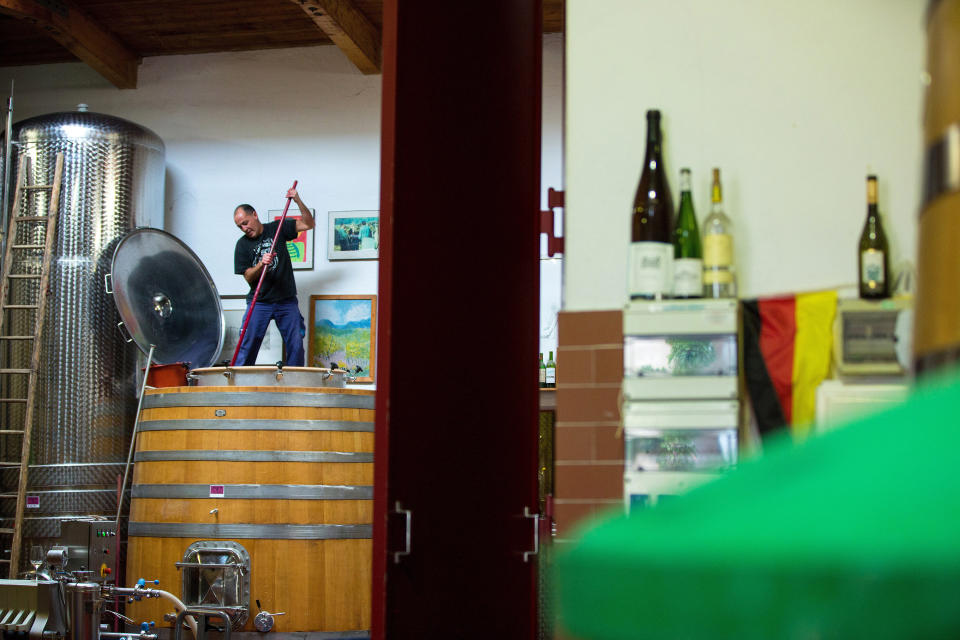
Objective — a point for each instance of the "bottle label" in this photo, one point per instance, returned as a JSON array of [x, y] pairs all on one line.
[[687, 277], [871, 268], [717, 276], [543, 376], [551, 375], [651, 269], [717, 250]]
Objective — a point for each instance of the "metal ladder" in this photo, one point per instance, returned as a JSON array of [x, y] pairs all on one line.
[[28, 235]]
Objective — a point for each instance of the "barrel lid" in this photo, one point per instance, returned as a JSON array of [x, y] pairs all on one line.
[[167, 298]]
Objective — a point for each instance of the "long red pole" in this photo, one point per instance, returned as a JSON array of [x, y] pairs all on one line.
[[273, 249]]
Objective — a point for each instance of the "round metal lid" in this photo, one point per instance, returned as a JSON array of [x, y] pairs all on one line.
[[167, 298]]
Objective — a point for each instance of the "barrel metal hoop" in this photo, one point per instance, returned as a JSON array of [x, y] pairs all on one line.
[[219, 455], [251, 531], [257, 399], [941, 166], [256, 425], [255, 491]]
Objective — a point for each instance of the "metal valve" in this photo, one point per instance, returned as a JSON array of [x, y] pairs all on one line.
[[263, 621]]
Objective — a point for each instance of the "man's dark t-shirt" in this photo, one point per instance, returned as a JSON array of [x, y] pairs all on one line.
[[278, 284]]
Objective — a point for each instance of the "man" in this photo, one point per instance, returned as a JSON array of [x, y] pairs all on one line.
[[278, 294]]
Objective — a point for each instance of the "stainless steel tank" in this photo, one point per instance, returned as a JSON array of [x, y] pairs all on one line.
[[113, 181]]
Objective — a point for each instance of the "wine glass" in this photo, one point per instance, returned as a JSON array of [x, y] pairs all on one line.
[[36, 557]]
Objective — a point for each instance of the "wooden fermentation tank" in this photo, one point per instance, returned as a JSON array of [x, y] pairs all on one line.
[[296, 469], [937, 337]]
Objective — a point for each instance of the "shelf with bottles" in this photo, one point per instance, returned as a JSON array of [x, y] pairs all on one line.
[[674, 350], [548, 371]]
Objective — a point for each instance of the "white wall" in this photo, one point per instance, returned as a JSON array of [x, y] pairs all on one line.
[[240, 127], [794, 101]]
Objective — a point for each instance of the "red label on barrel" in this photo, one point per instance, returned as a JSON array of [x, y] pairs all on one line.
[[216, 491]]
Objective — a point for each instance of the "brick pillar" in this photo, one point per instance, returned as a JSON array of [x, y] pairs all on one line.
[[588, 452]]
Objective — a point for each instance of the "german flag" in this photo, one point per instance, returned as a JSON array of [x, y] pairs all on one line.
[[787, 344]]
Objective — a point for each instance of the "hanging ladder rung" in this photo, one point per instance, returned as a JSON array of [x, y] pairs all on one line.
[[24, 276], [7, 432], [17, 337], [16, 370], [29, 246], [18, 400], [30, 218], [21, 306], [32, 187], [5, 530]]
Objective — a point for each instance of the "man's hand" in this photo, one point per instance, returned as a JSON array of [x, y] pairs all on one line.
[[267, 259], [306, 218]]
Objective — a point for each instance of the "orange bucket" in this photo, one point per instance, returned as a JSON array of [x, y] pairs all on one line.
[[168, 375]]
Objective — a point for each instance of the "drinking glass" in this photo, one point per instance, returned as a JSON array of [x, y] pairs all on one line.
[[36, 557]]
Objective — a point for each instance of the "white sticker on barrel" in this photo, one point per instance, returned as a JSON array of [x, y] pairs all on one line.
[[33, 502], [216, 491]]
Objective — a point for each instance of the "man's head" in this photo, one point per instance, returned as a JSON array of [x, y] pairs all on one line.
[[247, 221]]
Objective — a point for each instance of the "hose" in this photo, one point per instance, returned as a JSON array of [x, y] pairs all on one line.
[[178, 606]]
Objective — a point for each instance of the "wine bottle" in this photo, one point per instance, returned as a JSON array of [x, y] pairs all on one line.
[[873, 257], [718, 272], [543, 372], [551, 372], [651, 250], [687, 254]]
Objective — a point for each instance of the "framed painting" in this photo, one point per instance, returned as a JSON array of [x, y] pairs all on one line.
[[301, 247], [353, 235], [234, 309], [343, 334]]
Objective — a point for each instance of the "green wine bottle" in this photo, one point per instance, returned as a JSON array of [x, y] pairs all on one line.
[[543, 372], [551, 371], [873, 257], [687, 253]]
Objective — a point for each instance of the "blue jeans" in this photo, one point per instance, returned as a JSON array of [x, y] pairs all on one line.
[[290, 323]]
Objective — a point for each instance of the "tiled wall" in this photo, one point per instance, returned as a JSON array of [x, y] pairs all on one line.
[[588, 451]]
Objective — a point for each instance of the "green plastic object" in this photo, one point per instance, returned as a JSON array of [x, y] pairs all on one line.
[[851, 534]]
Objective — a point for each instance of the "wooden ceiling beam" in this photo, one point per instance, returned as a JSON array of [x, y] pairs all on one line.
[[81, 36], [348, 28]]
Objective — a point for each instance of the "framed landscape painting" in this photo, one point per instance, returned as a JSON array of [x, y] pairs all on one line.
[[343, 334], [301, 247], [353, 235]]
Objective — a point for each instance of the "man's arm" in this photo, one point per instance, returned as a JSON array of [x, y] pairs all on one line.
[[252, 275], [306, 218]]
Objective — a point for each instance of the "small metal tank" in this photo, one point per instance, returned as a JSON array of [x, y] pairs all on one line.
[[113, 181]]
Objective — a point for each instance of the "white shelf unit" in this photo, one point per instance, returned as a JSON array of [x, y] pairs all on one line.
[[680, 396]]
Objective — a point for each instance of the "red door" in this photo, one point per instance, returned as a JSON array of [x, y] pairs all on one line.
[[456, 425]]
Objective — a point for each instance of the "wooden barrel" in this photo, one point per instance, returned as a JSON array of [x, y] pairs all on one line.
[[937, 325], [292, 469]]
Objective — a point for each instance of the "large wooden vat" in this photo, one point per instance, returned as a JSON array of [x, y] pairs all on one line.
[[296, 467], [937, 327]]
